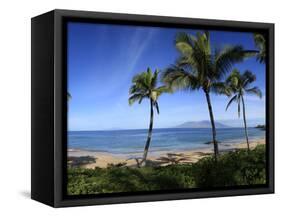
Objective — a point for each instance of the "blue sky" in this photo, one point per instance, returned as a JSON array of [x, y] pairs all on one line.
[[103, 58]]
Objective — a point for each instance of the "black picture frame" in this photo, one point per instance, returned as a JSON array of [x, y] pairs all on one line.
[[49, 105]]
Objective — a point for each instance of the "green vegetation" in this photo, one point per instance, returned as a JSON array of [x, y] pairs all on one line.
[[238, 85], [202, 67], [199, 67], [261, 126], [145, 87], [230, 169], [261, 45]]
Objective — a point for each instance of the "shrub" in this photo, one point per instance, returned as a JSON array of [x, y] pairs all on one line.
[[231, 169]]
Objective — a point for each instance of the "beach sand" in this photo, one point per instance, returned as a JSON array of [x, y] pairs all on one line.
[[92, 159]]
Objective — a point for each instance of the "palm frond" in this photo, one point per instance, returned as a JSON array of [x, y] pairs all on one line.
[[238, 85], [260, 43], [149, 77], [135, 88], [145, 86], [220, 88], [247, 78], [207, 35], [184, 43], [136, 97], [231, 101], [188, 62], [251, 53], [203, 42], [154, 79], [233, 81], [140, 80], [163, 89], [226, 58], [157, 107], [177, 78], [254, 90]]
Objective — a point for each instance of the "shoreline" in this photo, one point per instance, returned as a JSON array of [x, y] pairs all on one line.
[[93, 159]]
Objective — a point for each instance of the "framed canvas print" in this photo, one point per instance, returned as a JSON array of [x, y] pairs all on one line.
[[134, 108]]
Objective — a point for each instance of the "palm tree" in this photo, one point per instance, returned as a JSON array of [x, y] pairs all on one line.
[[260, 43], [239, 85], [201, 67], [145, 87]]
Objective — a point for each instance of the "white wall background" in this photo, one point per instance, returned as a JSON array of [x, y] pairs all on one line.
[[15, 106]]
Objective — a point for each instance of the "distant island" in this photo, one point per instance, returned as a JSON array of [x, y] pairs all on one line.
[[201, 124], [261, 126]]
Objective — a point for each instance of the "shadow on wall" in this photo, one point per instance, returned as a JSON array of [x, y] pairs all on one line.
[[25, 194]]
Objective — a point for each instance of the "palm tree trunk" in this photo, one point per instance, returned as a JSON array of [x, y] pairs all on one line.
[[149, 134], [216, 148], [245, 124]]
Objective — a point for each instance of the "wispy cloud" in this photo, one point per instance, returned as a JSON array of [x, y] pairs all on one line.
[[138, 44]]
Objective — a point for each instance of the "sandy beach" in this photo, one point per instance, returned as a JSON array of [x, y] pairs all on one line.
[[90, 159]]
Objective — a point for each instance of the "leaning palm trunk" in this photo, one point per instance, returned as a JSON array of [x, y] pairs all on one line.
[[145, 87], [216, 148], [149, 135], [245, 123], [239, 85]]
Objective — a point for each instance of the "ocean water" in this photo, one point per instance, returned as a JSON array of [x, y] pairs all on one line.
[[131, 142]]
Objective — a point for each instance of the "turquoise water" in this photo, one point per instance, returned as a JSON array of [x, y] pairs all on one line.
[[130, 142]]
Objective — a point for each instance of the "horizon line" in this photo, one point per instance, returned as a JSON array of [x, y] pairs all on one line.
[[159, 128]]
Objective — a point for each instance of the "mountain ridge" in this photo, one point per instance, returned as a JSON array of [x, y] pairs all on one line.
[[201, 124]]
